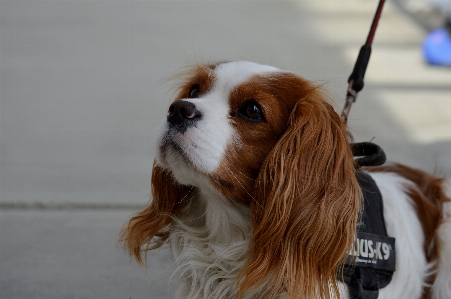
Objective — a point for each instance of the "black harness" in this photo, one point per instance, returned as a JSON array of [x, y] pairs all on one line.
[[371, 261]]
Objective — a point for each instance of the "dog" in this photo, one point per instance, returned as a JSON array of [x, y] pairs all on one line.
[[255, 189]]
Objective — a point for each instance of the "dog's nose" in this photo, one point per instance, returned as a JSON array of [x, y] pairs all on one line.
[[182, 112]]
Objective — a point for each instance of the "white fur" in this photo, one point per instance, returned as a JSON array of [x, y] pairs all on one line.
[[209, 243], [230, 75], [402, 223]]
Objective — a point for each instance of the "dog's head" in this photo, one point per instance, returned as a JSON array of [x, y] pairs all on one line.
[[266, 139]]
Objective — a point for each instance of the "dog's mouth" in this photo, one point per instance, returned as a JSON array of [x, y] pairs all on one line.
[[171, 148], [179, 150]]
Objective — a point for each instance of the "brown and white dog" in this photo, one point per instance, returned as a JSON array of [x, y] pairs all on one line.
[[254, 188]]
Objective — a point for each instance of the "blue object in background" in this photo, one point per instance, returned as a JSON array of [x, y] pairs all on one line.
[[437, 47]]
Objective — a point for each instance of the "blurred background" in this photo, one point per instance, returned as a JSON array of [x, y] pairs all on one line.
[[83, 87]]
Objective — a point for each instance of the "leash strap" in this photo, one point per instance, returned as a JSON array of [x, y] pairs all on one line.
[[355, 80]]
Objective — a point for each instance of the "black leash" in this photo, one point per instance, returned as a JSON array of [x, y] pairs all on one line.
[[367, 153], [355, 80]]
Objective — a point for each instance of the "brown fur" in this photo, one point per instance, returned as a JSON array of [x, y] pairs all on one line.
[[277, 96], [200, 74], [306, 206]]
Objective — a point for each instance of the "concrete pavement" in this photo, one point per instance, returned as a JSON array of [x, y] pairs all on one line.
[[74, 254], [83, 90]]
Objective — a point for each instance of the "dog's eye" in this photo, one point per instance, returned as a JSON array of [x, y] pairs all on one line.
[[194, 91], [252, 111]]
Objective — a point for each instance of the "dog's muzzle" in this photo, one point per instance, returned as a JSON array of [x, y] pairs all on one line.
[[182, 115]]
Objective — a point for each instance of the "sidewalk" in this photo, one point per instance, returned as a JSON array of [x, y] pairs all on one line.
[[83, 91], [74, 254]]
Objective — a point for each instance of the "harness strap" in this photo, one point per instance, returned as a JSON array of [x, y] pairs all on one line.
[[368, 154], [371, 261]]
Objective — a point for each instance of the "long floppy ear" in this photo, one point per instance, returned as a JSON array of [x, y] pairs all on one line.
[[150, 227], [306, 207]]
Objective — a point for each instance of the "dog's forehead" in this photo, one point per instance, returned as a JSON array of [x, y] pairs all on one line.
[[232, 74]]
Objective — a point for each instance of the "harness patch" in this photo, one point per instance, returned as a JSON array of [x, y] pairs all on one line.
[[372, 251]]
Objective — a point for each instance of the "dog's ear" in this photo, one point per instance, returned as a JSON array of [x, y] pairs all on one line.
[[306, 206], [149, 228]]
